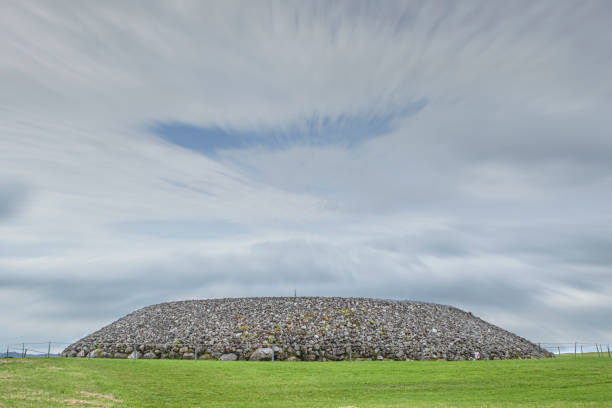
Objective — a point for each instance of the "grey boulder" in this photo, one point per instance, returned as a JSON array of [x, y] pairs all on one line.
[[228, 357], [262, 354]]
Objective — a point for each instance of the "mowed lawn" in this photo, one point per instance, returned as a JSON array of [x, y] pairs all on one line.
[[59, 382]]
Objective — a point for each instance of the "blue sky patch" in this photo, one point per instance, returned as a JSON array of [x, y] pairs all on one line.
[[344, 130]]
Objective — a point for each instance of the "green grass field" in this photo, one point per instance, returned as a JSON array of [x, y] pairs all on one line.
[[59, 382]]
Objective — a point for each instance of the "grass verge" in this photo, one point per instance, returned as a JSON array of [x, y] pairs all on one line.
[[60, 382]]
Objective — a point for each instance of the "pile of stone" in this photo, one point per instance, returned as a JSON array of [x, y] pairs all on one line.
[[303, 328]]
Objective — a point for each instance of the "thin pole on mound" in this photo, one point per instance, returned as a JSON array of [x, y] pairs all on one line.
[[581, 352], [49, 350], [609, 351]]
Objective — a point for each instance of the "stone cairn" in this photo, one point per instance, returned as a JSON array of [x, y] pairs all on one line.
[[303, 328]]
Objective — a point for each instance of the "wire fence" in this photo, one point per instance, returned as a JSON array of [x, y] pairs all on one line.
[[51, 349], [578, 349], [33, 349]]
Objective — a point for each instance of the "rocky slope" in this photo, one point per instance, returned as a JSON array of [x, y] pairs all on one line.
[[305, 328]]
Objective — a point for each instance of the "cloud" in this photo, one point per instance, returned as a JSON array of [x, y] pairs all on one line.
[[180, 229], [12, 198], [456, 154]]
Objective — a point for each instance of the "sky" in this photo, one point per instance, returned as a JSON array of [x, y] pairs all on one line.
[[441, 151]]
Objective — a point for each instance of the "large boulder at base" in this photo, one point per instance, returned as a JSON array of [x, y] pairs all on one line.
[[262, 354], [228, 357], [308, 328]]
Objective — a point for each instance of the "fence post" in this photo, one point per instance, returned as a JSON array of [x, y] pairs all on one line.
[[350, 349], [581, 352], [195, 353], [135, 353], [559, 350], [49, 350], [22, 350], [422, 353], [574, 350], [609, 351], [597, 348], [7, 351], [539, 349]]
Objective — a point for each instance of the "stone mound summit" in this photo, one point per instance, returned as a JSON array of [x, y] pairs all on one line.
[[303, 328]]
